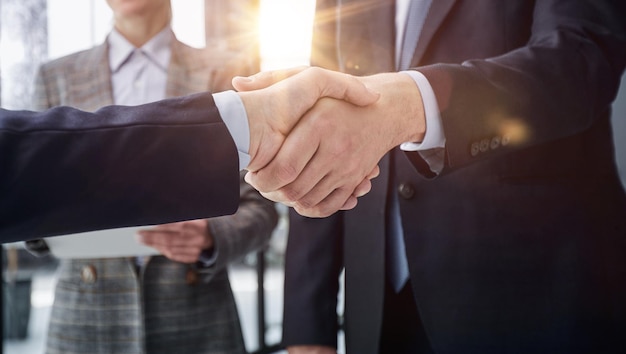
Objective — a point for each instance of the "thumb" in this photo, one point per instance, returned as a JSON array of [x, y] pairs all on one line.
[[317, 83], [351, 90], [264, 79]]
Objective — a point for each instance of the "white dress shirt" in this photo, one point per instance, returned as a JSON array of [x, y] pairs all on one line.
[[434, 137], [234, 115], [139, 75]]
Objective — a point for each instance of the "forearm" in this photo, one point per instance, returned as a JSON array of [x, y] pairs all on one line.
[[313, 262], [85, 187], [553, 86]]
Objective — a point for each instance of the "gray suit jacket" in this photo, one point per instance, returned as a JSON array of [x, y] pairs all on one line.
[[106, 305]]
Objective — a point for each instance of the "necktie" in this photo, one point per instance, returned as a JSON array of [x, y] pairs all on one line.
[[397, 265]]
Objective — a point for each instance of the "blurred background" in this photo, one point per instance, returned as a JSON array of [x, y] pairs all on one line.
[[269, 33]]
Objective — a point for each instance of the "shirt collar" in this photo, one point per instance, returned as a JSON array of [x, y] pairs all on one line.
[[157, 49]]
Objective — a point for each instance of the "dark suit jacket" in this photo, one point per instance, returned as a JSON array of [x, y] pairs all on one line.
[[66, 171], [519, 245]]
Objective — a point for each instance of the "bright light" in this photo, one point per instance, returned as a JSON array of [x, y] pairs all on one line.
[[92, 20], [75, 25], [13, 52], [188, 22], [285, 32]]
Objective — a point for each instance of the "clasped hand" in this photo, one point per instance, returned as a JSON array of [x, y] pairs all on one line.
[[316, 136]]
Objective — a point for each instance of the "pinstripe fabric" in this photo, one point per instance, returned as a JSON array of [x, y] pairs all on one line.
[[155, 311]]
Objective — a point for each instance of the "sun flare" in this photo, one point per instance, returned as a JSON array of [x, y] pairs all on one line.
[[285, 30]]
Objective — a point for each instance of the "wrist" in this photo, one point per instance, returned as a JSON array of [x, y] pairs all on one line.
[[401, 106], [412, 119]]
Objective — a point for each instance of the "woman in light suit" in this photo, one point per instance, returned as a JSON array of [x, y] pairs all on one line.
[[179, 304]]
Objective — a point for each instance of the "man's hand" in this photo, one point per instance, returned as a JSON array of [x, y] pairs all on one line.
[[336, 145], [311, 349], [283, 96], [181, 241]]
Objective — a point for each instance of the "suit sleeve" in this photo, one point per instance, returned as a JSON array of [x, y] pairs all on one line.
[[313, 259], [248, 230], [556, 85], [313, 262], [67, 171]]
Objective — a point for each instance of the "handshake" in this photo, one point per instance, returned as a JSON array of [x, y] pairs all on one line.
[[316, 136]]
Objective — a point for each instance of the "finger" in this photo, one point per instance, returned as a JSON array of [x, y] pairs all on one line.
[[338, 85], [173, 250], [350, 204], [326, 195], [264, 79], [170, 227], [321, 175], [309, 190], [276, 197], [288, 164], [363, 188], [307, 85], [374, 173], [366, 185], [305, 88], [160, 238], [180, 255], [331, 204]]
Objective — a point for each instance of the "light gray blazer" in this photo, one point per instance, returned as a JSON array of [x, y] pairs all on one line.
[[106, 305]]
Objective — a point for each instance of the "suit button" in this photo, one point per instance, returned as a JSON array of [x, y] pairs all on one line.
[[406, 190], [191, 277], [475, 149], [495, 142], [505, 140], [484, 145], [88, 274]]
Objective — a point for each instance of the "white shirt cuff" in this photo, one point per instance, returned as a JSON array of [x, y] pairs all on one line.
[[434, 137], [234, 115]]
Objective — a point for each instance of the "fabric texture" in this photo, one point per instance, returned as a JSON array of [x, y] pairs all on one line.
[[517, 245], [118, 308]]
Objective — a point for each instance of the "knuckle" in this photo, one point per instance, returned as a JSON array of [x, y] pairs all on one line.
[[314, 71], [286, 173], [305, 204], [292, 194], [320, 210]]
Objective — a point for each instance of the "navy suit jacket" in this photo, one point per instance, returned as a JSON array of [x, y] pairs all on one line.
[[519, 245], [65, 171]]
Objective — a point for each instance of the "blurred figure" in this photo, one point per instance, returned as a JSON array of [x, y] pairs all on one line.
[[183, 304]]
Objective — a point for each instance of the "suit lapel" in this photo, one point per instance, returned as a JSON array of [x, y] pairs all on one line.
[[188, 71], [366, 36], [89, 84], [438, 11]]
